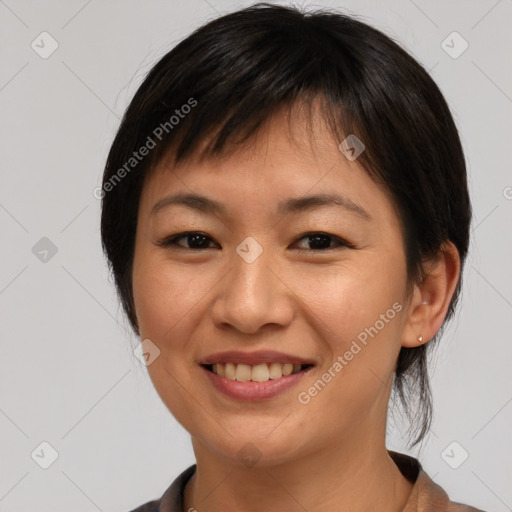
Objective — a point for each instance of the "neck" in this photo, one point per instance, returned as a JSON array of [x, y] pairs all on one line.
[[357, 476]]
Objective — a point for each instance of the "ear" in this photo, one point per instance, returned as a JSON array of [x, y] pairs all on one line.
[[431, 298]]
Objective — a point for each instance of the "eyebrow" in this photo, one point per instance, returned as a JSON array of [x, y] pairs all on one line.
[[292, 205]]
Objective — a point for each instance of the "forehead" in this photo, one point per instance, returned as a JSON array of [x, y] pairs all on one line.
[[289, 157]]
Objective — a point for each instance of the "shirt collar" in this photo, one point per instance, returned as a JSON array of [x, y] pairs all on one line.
[[425, 496]]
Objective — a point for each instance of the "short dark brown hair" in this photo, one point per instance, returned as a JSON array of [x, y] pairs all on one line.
[[236, 71]]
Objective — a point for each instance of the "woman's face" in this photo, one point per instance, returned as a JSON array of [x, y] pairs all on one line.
[[294, 287]]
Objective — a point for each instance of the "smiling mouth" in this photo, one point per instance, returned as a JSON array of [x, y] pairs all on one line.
[[255, 373]]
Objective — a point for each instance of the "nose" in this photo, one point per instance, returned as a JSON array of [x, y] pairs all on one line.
[[253, 296]]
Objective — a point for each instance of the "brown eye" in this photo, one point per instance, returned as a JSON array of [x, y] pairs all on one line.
[[322, 242], [192, 240]]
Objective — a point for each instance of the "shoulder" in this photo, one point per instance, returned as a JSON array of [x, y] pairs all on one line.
[[172, 498], [426, 495], [150, 506], [432, 497]]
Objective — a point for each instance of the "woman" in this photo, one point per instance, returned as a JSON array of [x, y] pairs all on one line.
[[286, 215]]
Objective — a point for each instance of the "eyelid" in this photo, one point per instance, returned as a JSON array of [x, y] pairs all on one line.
[[171, 241], [340, 241]]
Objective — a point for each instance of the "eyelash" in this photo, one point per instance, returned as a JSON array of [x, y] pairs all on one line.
[[172, 241]]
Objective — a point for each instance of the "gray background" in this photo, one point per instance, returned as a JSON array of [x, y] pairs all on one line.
[[67, 372]]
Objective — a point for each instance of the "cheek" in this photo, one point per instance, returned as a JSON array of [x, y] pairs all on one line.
[[343, 301], [357, 317], [164, 300], [166, 293]]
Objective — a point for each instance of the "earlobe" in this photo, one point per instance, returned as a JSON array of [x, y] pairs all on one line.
[[431, 298]]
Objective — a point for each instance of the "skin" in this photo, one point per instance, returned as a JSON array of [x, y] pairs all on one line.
[[330, 453]]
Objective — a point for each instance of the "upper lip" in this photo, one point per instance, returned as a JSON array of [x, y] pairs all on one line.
[[253, 358]]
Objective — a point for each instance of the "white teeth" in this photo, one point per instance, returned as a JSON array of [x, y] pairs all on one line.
[[260, 373], [229, 370], [276, 370], [287, 369], [243, 372], [219, 369], [257, 373]]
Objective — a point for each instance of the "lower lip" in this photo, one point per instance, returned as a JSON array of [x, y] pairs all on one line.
[[253, 391]]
